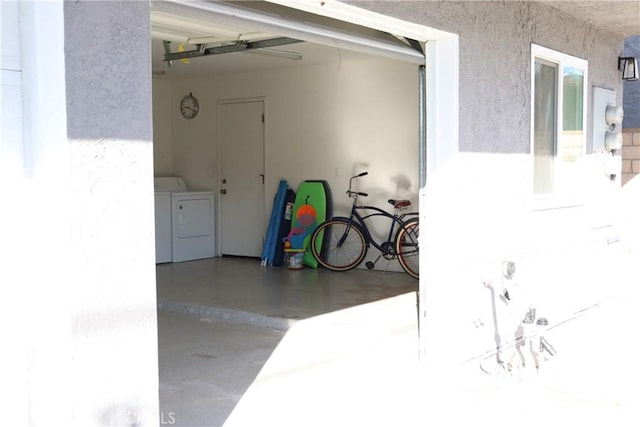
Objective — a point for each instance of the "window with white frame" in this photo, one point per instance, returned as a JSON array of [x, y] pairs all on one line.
[[558, 116]]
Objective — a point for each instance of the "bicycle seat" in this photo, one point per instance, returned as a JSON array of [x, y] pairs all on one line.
[[399, 203]]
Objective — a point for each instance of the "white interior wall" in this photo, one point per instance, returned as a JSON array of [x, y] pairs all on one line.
[[162, 136], [322, 122]]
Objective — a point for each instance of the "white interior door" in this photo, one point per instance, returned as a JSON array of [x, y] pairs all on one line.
[[241, 127]]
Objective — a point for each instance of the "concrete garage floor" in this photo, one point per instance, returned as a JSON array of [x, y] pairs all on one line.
[[220, 319]]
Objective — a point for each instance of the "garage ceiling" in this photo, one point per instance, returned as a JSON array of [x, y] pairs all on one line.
[[238, 62], [213, 26], [165, 26]]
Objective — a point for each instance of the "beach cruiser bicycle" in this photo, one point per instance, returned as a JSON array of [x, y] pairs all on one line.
[[341, 243]]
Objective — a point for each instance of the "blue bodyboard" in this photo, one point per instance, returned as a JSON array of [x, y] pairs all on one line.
[[273, 240], [283, 230]]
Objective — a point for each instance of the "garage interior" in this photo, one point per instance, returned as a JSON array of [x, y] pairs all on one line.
[[353, 109], [327, 113]]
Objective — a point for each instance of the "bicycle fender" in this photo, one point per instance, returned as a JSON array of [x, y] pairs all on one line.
[[341, 218]]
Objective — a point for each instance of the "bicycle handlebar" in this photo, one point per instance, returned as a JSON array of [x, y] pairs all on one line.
[[360, 174], [351, 193]]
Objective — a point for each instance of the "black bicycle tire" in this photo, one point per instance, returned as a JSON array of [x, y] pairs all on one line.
[[328, 254], [413, 271]]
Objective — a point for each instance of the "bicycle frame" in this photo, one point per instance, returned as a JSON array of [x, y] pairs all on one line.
[[360, 220]]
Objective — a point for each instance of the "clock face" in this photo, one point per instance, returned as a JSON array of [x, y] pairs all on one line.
[[189, 107]]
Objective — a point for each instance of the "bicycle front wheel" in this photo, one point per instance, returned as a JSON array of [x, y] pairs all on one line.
[[340, 246], [407, 247]]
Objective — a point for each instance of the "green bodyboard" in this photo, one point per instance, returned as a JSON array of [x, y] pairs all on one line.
[[312, 206]]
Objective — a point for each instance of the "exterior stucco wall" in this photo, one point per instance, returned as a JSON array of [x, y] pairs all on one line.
[[481, 209], [77, 248], [495, 51], [114, 374], [13, 363]]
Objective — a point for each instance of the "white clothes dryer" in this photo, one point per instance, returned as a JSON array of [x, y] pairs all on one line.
[[192, 229], [193, 225]]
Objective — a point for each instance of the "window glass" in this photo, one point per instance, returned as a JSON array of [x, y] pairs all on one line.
[[570, 145], [544, 119], [558, 111], [573, 82]]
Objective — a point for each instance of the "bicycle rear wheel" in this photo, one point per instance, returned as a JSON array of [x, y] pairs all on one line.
[[407, 247], [340, 246]]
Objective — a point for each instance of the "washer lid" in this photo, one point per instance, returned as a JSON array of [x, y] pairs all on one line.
[[169, 184]]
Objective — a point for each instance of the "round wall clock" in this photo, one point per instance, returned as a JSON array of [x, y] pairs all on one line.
[[189, 106]]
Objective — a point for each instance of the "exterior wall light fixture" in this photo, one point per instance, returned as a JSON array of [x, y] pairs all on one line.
[[629, 67]]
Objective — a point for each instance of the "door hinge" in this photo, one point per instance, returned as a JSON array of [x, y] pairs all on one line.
[[262, 117]]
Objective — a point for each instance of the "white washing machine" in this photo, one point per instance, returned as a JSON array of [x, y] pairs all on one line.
[[164, 186], [185, 221], [163, 227]]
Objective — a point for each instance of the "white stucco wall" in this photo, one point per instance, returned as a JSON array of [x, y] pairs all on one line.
[[495, 48], [13, 360], [480, 206], [34, 274], [114, 375], [78, 270]]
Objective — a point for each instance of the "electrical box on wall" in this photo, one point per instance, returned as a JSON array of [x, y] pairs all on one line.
[[606, 124]]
